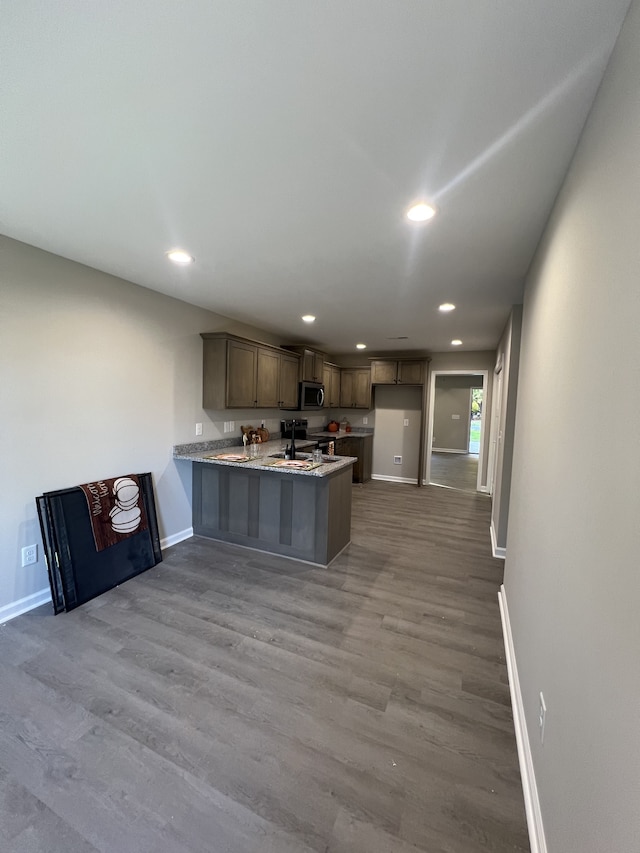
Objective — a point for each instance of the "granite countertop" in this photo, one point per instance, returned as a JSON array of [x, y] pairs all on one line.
[[204, 451], [354, 433]]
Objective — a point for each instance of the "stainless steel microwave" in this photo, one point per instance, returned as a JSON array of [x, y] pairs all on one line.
[[310, 396]]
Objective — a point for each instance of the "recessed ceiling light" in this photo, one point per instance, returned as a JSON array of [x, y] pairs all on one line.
[[446, 306], [456, 343], [361, 346], [179, 256], [308, 318], [421, 212]]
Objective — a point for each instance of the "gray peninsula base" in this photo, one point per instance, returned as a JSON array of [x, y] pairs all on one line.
[[307, 518]]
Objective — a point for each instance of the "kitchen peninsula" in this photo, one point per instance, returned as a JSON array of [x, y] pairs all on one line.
[[261, 503]]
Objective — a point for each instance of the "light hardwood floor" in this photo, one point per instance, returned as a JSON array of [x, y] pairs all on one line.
[[229, 701]]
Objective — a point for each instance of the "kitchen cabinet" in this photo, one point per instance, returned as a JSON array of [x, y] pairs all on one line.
[[275, 510], [397, 372], [243, 374], [277, 379], [311, 363], [331, 380], [289, 368], [355, 388], [360, 446]]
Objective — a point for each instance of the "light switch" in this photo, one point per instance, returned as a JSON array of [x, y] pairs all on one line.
[[406, 422], [455, 417]]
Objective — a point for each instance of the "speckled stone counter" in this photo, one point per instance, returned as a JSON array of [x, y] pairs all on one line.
[[197, 453], [356, 432], [295, 513]]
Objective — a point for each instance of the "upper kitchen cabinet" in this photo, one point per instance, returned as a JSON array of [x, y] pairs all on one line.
[[397, 372], [355, 388], [289, 369], [311, 363], [331, 380], [243, 374]]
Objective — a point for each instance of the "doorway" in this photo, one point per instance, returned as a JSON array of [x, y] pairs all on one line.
[[455, 442]]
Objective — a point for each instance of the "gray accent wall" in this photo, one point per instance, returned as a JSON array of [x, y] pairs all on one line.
[[572, 573], [395, 404]]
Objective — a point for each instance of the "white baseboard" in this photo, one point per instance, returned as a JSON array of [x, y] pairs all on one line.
[[498, 552], [168, 541], [411, 480], [448, 450], [529, 788], [23, 605]]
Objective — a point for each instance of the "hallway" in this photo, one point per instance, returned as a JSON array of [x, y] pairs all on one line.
[[455, 470]]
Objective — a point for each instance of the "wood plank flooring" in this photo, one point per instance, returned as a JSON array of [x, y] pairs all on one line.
[[455, 470], [230, 701]]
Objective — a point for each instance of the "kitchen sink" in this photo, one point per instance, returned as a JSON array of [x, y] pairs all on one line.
[[303, 456]]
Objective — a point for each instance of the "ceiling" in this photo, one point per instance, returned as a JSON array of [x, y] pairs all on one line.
[[280, 143]]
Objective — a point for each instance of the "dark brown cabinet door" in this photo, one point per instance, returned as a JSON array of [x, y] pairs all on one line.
[[362, 397], [268, 385], [384, 372], [312, 366], [318, 367], [347, 389], [331, 379], [241, 374], [355, 388], [397, 372], [289, 368], [360, 446], [411, 373]]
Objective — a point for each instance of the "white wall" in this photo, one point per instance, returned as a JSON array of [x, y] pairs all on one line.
[[506, 387], [572, 573], [98, 377]]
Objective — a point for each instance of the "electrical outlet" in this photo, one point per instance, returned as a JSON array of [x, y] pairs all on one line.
[[226, 426], [198, 429], [232, 426], [29, 555], [397, 460], [542, 717], [406, 422], [365, 421]]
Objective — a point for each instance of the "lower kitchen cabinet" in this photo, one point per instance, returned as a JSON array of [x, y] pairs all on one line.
[[360, 446]]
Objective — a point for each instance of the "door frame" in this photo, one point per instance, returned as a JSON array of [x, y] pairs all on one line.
[[432, 399]]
